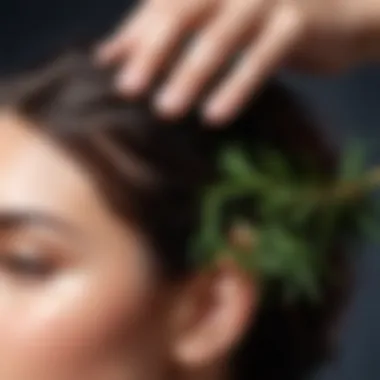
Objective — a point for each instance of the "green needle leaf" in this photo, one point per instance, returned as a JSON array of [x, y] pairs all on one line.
[[353, 162], [235, 165], [296, 219]]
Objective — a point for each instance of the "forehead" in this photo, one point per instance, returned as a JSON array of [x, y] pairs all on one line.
[[35, 173], [37, 176]]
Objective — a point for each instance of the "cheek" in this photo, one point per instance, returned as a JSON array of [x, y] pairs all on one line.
[[79, 321]]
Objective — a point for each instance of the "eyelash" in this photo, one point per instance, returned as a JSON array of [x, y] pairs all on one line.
[[22, 266]]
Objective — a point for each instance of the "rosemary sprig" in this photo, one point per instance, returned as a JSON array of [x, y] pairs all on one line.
[[287, 227]]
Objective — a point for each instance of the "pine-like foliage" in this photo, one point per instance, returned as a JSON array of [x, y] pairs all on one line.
[[296, 220]]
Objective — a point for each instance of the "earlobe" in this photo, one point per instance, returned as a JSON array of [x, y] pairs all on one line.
[[220, 308]]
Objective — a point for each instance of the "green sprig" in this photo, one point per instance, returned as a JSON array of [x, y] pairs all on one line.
[[292, 222]]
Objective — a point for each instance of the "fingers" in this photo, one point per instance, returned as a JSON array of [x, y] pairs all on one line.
[[258, 63], [147, 42], [148, 57], [118, 45], [149, 38], [207, 54]]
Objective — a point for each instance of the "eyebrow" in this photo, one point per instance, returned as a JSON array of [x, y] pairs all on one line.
[[10, 220]]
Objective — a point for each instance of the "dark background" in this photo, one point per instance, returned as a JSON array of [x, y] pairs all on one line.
[[346, 107]]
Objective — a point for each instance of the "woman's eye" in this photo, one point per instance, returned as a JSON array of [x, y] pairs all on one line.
[[22, 265]]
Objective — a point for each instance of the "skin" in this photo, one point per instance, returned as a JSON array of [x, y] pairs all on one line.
[[80, 293], [74, 322], [256, 36]]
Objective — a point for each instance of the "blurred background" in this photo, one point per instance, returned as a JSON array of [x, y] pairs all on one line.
[[345, 107]]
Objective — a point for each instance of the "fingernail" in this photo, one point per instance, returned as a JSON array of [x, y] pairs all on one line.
[[216, 114], [171, 103], [131, 81], [212, 111]]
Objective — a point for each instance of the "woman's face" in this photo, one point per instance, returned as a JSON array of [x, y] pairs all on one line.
[[79, 296]]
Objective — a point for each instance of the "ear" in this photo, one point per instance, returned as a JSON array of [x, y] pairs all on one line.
[[212, 314]]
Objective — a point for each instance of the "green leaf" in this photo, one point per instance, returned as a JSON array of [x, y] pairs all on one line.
[[209, 237], [296, 225], [353, 161], [287, 256], [276, 246], [303, 211], [275, 203], [236, 165], [269, 263], [276, 166]]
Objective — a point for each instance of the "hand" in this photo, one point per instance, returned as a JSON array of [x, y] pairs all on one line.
[[261, 35]]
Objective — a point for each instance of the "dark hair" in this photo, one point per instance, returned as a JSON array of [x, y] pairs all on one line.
[[163, 167]]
